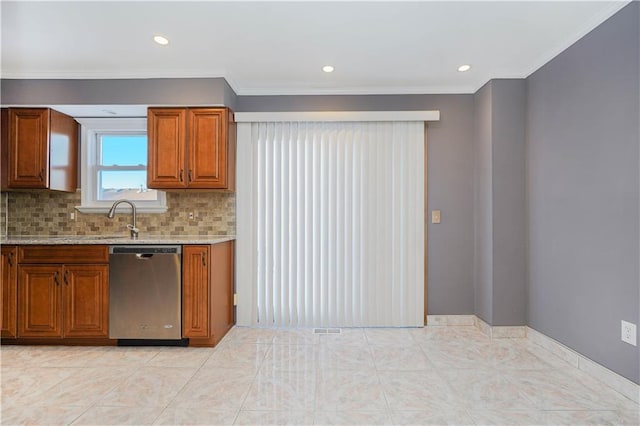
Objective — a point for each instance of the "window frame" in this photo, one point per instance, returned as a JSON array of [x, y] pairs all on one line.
[[91, 129]]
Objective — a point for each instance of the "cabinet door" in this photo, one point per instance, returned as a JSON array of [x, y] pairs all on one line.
[[9, 268], [166, 132], [28, 148], [86, 300], [221, 289], [39, 301], [195, 291], [207, 148], [63, 152]]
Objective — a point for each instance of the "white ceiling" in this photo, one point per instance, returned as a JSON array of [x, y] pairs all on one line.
[[280, 47]]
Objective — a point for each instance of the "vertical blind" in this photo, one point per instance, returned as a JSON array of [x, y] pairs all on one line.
[[336, 223]]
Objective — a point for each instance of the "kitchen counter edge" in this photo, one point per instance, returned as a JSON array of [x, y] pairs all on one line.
[[115, 240]]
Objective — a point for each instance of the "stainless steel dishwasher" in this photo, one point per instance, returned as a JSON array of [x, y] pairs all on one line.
[[145, 292]]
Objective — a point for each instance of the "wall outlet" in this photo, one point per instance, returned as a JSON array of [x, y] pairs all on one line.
[[629, 333], [72, 216], [191, 216]]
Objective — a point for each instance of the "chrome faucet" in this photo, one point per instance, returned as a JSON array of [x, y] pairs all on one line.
[[112, 212]]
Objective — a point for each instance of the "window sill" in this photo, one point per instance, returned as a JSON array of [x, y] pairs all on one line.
[[105, 209]]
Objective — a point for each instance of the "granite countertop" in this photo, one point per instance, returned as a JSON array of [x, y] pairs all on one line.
[[115, 239]]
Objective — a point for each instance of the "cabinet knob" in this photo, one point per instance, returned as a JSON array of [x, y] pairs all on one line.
[[55, 278], [40, 175], [204, 260], [181, 171], [66, 277], [10, 259], [189, 176]]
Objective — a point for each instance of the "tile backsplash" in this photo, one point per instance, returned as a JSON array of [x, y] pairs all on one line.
[[48, 213]]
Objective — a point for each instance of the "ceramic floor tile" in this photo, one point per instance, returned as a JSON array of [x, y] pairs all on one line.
[[431, 375], [35, 415], [149, 387], [586, 417], [85, 387], [290, 357], [52, 356], [509, 418], [417, 391], [345, 357], [409, 358], [459, 355], [304, 336], [238, 356], [487, 389], [123, 356], [282, 390], [449, 333], [29, 385], [509, 354], [353, 418], [389, 336], [457, 417], [250, 335], [293, 418], [347, 337], [98, 416], [565, 390], [195, 416], [344, 390], [180, 357], [548, 357], [222, 389]]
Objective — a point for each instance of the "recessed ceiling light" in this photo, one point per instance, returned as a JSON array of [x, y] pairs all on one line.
[[465, 67], [327, 68], [161, 40]]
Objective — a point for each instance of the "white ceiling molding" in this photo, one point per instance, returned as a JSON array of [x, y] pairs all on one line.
[[257, 117]]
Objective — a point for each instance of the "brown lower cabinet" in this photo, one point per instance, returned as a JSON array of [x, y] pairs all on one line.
[[207, 292], [60, 293], [67, 300], [63, 301], [9, 273]]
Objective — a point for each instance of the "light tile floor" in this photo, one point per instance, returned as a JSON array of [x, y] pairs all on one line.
[[431, 375]]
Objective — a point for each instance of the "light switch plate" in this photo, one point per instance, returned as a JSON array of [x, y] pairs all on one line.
[[435, 216]]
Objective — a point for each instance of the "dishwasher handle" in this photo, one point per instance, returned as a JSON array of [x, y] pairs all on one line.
[[145, 249]]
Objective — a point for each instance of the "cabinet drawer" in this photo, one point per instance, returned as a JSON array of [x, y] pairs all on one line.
[[73, 254]]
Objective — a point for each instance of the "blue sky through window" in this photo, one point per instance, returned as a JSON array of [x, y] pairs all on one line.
[[123, 150]]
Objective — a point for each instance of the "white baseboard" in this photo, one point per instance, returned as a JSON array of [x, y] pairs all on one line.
[[463, 320], [599, 372], [615, 381], [502, 332]]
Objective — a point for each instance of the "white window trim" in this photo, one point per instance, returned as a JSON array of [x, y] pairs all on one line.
[[90, 128]]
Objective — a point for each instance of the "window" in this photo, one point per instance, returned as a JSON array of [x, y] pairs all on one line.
[[114, 165]]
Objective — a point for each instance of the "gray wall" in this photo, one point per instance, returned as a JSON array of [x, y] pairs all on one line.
[[509, 202], [483, 222], [583, 193], [153, 91], [499, 167]]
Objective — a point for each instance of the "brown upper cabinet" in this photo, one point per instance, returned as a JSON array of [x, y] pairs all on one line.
[[39, 150], [191, 148]]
